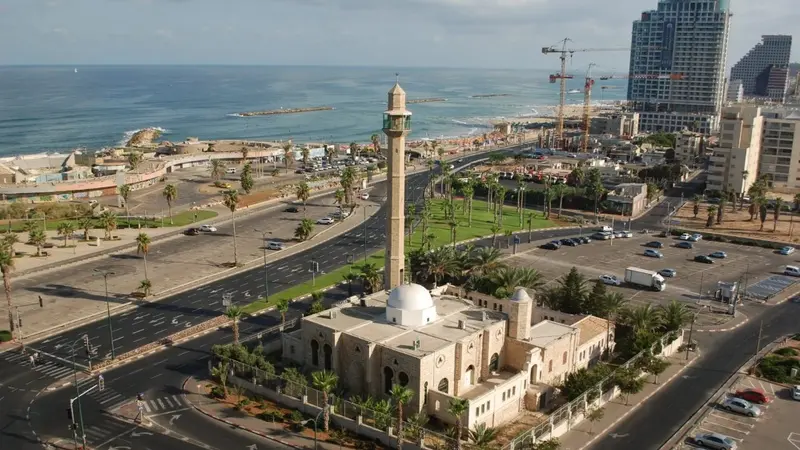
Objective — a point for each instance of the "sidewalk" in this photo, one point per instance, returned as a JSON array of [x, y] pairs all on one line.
[[195, 395], [615, 411]]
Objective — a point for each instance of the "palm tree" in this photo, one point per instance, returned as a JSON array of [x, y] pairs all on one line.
[[762, 212], [108, 220], [125, 193], [234, 313], [245, 151], [134, 159], [86, 224], [304, 229], [347, 181], [401, 395], [457, 408], [6, 266], [674, 315], [170, 193], [325, 381], [338, 197], [712, 211], [482, 436], [506, 279], [776, 214], [330, 153], [145, 286], [376, 143], [469, 192], [303, 193], [66, 229], [143, 247], [721, 208], [283, 307], [38, 238], [370, 277], [217, 169], [353, 150], [559, 190], [306, 154], [644, 318], [485, 260], [453, 227], [696, 205], [8, 240], [288, 155], [440, 263], [230, 199], [797, 201], [496, 228]]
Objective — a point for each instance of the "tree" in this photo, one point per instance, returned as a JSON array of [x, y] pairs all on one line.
[[306, 154], [353, 151], [6, 267], [220, 372], [86, 224], [283, 307], [350, 277], [347, 181], [330, 153], [66, 229], [439, 264], [230, 199], [38, 238], [453, 227], [594, 415], [125, 193], [146, 287], [559, 190], [504, 280], [246, 178], [325, 381], [776, 213], [652, 192], [376, 144], [217, 169], [234, 313], [304, 230], [8, 240], [762, 213], [628, 381], [655, 366], [495, 229], [595, 299], [370, 276], [170, 193], [570, 294], [696, 205], [303, 192], [400, 395], [108, 220], [482, 436], [550, 444], [595, 188], [288, 155], [316, 306], [721, 209], [712, 211], [143, 247], [245, 152], [338, 197], [134, 159], [674, 315], [457, 408], [485, 260]]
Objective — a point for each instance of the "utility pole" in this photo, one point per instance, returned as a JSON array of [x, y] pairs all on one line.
[[105, 274], [758, 342], [691, 331], [266, 273]]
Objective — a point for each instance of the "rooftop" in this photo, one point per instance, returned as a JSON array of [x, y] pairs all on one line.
[[546, 332], [489, 384], [591, 327]]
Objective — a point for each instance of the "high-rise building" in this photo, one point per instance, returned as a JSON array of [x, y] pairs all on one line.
[[764, 69], [780, 149], [679, 38], [733, 166], [735, 91]]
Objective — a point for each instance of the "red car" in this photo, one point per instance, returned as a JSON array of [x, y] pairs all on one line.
[[753, 395]]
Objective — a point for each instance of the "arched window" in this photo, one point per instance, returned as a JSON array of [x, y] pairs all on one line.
[[469, 376], [494, 363], [444, 385], [534, 374], [388, 378], [328, 357], [402, 378], [564, 358], [314, 352]]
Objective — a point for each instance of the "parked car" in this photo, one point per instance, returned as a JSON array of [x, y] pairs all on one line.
[[208, 228], [341, 214], [753, 395], [610, 279], [627, 234], [705, 259], [685, 236], [364, 196], [584, 240], [741, 406], [796, 392], [275, 246], [792, 271], [719, 255], [696, 237], [654, 244], [786, 250], [602, 236], [292, 209], [668, 273], [684, 245], [192, 232], [605, 229], [653, 253], [553, 245], [326, 221], [715, 440], [568, 242], [619, 234]]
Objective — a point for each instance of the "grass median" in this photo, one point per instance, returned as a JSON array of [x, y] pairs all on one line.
[[181, 219], [438, 227]]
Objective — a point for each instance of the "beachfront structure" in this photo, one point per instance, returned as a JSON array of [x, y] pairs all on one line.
[[503, 355], [764, 69], [679, 38], [396, 126], [733, 165]]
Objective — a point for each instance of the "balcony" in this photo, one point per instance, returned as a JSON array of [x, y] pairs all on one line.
[[719, 159]]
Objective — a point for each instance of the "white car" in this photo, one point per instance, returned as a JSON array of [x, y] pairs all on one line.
[[275, 246], [606, 229], [685, 236], [796, 392], [326, 221], [208, 228], [619, 234], [627, 234], [610, 279], [364, 196]]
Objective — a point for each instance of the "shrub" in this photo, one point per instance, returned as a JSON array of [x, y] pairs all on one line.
[[271, 416], [217, 392], [786, 351], [778, 368], [5, 336]]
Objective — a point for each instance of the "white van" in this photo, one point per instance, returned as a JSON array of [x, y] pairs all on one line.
[[792, 271], [231, 170]]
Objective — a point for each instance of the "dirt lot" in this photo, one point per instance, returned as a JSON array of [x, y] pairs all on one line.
[[745, 264], [737, 223]]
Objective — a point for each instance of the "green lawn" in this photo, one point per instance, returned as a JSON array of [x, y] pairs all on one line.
[[482, 221], [179, 220]]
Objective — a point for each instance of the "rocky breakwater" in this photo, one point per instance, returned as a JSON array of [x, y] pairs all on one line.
[[490, 95], [143, 137], [426, 100], [272, 112]]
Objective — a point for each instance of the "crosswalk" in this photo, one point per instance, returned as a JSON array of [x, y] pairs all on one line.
[[163, 404], [46, 367], [98, 433]]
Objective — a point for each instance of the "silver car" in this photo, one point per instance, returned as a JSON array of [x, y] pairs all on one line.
[[741, 406], [715, 440]]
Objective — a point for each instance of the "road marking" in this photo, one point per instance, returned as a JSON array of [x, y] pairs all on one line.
[[728, 427], [160, 403], [717, 432], [138, 331]]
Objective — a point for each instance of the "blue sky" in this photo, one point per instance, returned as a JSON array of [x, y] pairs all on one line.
[[454, 33]]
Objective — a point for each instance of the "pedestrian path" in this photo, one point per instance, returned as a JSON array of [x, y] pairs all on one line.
[[47, 368], [163, 404]]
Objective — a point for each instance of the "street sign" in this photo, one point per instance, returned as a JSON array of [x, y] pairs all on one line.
[[517, 240]]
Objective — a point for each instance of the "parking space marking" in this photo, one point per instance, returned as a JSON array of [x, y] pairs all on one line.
[[717, 432], [709, 422], [794, 439], [731, 419]]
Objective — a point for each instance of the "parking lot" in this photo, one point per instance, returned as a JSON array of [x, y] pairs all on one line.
[[695, 282], [776, 429]]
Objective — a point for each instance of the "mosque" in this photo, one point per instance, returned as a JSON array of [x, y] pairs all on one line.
[[503, 355]]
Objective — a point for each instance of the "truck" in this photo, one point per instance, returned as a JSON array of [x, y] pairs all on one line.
[[645, 278]]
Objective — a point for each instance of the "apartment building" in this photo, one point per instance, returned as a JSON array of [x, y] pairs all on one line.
[[734, 92], [764, 69], [688, 145], [733, 166], [685, 39], [780, 149]]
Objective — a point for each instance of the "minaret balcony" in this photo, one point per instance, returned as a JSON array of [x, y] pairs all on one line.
[[397, 122]]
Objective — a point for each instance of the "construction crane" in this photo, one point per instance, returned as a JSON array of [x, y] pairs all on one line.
[[563, 52], [587, 103], [646, 76]]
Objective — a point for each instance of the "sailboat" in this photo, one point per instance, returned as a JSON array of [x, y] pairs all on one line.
[[76, 70], [574, 91]]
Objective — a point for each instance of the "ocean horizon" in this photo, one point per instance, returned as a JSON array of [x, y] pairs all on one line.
[[48, 108]]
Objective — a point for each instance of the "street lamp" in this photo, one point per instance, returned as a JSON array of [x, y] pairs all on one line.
[[105, 274], [266, 275], [314, 421], [364, 207], [85, 341]]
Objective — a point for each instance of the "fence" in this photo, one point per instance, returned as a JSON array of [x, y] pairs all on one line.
[[564, 418]]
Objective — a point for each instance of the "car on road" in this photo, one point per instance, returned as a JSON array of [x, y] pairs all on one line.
[[796, 392], [552, 245], [685, 236], [653, 253], [696, 237], [753, 395], [668, 273], [192, 232], [719, 255], [326, 221], [703, 259], [715, 440], [569, 242], [786, 250], [364, 196], [275, 246], [654, 244], [610, 279], [684, 245], [292, 209], [741, 406], [208, 228]]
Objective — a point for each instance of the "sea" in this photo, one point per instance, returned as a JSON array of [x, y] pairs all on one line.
[[60, 108]]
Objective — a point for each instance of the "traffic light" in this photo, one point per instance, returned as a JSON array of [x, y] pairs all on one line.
[[101, 383]]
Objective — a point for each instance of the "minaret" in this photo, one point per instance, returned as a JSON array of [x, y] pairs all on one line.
[[396, 125]]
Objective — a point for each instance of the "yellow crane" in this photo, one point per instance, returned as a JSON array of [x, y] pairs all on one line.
[[564, 52], [587, 105]]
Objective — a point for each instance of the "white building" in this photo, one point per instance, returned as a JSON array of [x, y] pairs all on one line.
[[780, 149], [735, 92], [733, 166], [760, 70], [687, 146], [679, 38]]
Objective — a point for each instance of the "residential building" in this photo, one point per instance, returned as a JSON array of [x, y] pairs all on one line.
[[780, 149], [735, 92], [764, 69], [503, 355], [616, 124], [688, 41], [688, 145], [733, 165], [629, 198]]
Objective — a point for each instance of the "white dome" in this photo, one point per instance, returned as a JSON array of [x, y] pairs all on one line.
[[520, 295], [410, 297]]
